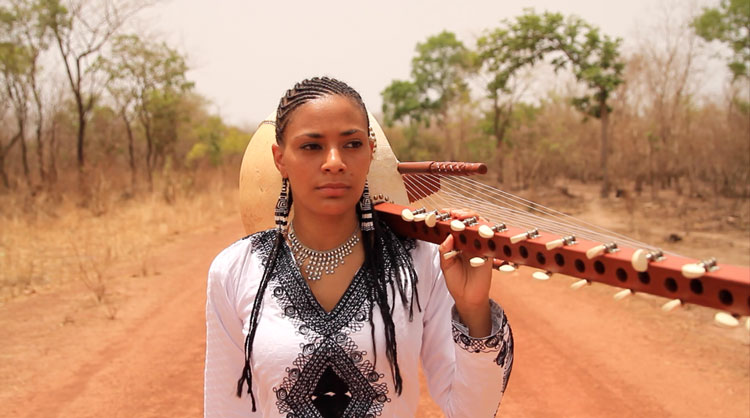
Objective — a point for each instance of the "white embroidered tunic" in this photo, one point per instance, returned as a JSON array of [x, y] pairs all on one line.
[[307, 362]]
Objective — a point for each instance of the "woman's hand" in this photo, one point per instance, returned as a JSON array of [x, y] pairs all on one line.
[[470, 288]]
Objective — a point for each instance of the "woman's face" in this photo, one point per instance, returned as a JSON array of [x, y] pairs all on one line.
[[326, 155]]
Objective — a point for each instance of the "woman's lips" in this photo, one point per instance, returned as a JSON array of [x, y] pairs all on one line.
[[333, 189]]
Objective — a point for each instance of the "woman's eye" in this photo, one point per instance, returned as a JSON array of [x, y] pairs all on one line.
[[310, 146], [354, 144]]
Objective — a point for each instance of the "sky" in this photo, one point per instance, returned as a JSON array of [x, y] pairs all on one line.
[[245, 54]]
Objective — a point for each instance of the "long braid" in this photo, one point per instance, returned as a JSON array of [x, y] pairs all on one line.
[[247, 371], [383, 268], [247, 374]]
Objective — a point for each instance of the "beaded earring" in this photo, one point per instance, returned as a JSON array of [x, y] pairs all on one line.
[[365, 210], [373, 139], [283, 205]]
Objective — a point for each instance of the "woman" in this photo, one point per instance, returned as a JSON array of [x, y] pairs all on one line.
[[330, 316]]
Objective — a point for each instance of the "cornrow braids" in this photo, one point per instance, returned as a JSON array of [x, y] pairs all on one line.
[[311, 89], [386, 256]]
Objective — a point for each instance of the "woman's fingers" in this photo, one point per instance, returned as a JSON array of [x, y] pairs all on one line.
[[446, 245], [448, 253], [462, 213]]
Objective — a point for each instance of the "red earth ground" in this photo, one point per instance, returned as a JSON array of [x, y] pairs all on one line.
[[578, 353]]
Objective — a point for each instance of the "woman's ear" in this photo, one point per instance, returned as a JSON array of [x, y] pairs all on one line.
[[278, 159]]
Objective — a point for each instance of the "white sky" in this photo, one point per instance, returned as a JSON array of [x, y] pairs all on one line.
[[244, 54]]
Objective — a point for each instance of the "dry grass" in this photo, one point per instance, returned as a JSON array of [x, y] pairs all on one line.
[[51, 238]]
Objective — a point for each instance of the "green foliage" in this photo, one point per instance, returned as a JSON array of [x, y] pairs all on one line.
[[524, 114], [439, 70], [148, 79], [515, 44], [21, 42], [54, 15], [401, 102], [572, 43], [235, 141], [17, 52], [596, 61], [593, 57], [729, 24], [129, 92], [216, 141], [14, 59], [438, 73], [210, 134], [162, 111], [138, 68], [106, 131], [520, 43]]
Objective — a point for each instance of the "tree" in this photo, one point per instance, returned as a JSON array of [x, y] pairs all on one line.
[[159, 109], [121, 90], [439, 72], [35, 37], [13, 93], [15, 61], [81, 29], [210, 135], [401, 102], [729, 24], [593, 57], [501, 54], [147, 81], [25, 40], [5, 147]]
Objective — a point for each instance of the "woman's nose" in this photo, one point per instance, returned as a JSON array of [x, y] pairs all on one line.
[[333, 162]]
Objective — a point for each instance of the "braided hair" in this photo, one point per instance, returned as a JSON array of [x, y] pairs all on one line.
[[386, 256], [308, 90]]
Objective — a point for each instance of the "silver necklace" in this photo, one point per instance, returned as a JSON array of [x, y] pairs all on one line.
[[319, 262]]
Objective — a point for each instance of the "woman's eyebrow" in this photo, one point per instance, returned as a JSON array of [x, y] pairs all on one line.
[[314, 135], [351, 132]]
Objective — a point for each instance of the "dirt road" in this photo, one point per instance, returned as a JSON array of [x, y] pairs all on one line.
[[578, 353]]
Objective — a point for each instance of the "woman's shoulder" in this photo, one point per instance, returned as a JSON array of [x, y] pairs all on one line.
[[244, 250]]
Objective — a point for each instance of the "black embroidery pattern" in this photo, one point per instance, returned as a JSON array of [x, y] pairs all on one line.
[[325, 369], [261, 243], [501, 341], [331, 376], [505, 356]]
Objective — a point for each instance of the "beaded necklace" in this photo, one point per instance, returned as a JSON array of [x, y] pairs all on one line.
[[319, 262]]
